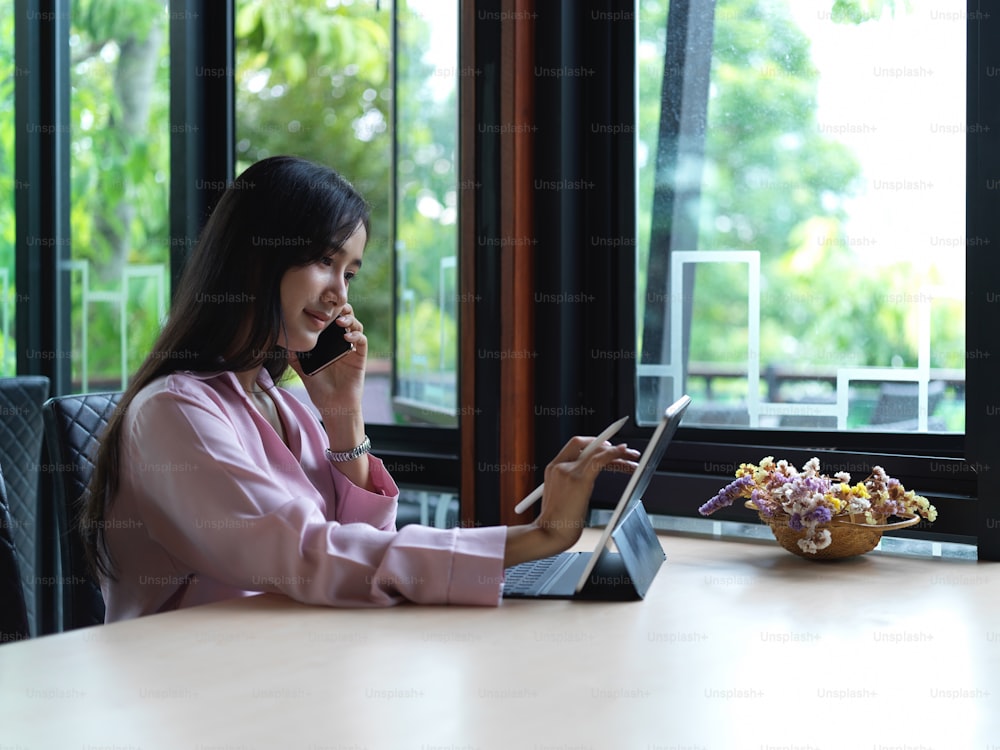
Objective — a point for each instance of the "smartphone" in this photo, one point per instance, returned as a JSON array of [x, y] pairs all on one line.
[[330, 346]]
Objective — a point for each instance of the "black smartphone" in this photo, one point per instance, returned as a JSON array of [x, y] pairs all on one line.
[[330, 346]]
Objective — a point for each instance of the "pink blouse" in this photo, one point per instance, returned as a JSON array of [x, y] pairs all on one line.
[[213, 504]]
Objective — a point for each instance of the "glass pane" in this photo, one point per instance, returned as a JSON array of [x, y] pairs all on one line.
[[426, 212], [427, 507], [120, 150], [802, 239], [8, 186], [312, 80]]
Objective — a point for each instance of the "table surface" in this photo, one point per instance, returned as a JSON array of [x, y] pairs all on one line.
[[737, 645]]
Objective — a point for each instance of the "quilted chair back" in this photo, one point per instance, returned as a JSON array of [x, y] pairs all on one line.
[[13, 614], [73, 429], [21, 434]]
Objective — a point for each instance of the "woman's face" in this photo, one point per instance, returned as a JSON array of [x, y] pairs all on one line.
[[313, 295]]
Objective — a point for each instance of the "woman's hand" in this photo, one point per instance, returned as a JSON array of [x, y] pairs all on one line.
[[339, 386], [337, 390], [569, 483]]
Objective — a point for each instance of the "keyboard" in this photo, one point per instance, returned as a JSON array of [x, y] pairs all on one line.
[[524, 577]]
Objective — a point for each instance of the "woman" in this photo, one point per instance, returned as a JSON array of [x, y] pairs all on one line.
[[212, 482]]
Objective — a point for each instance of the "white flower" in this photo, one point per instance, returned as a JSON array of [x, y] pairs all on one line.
[[820, 541], [859, 505]]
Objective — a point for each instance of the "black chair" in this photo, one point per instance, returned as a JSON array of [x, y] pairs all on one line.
[[73, 428], [21, 435], [13, 613]]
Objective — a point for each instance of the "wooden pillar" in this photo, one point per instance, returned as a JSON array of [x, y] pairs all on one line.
[[517, 370], [502, 198]]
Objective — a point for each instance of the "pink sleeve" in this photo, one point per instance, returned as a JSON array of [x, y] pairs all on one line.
[[356, 505], [262, 528]]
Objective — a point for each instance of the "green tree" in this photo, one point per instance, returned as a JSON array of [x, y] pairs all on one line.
[[313, 81], [772, 182], [769, 172], [119, 179], [427, 200], [8, 73]]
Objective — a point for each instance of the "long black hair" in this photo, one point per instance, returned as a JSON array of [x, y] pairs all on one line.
[[280, 213]]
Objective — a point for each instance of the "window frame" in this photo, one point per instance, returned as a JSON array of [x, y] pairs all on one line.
[[952, 470], [42, 202]]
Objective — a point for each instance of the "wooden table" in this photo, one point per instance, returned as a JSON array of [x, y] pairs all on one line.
[[737, 645]]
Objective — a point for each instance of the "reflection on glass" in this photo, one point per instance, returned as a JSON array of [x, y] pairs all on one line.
[[119, 222], [808, 270], [8, 186]]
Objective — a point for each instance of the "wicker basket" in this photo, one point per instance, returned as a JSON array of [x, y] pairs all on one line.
[[847, 538]]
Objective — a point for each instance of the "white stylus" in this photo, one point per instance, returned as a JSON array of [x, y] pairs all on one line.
[[596, 443]]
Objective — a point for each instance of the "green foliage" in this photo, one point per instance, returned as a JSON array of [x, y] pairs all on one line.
[[8, 356], [313, 81], [118, 176], [859, 11], [119, 180], [774, 183], [426, 217], [100, 22], [428, 341]]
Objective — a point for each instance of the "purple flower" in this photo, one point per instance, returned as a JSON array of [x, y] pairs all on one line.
[[821, 514], [776, 480], [795, 522], [765, 506], [727, 495]]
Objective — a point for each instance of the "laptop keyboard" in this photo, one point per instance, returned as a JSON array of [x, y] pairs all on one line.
[[524, 577]]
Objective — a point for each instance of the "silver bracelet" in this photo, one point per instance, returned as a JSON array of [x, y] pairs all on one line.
[[358, 452]]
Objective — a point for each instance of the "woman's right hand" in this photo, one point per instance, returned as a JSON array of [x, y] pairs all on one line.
[[569, 483]]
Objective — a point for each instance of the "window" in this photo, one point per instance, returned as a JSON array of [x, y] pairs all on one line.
[[369, 89], [763, 196], [802, 222], [312, 79], [585, 134], [119, 225], [426, 200], [725, 70]]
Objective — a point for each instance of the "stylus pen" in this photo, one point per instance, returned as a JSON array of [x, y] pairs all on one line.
[[536, 493]]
